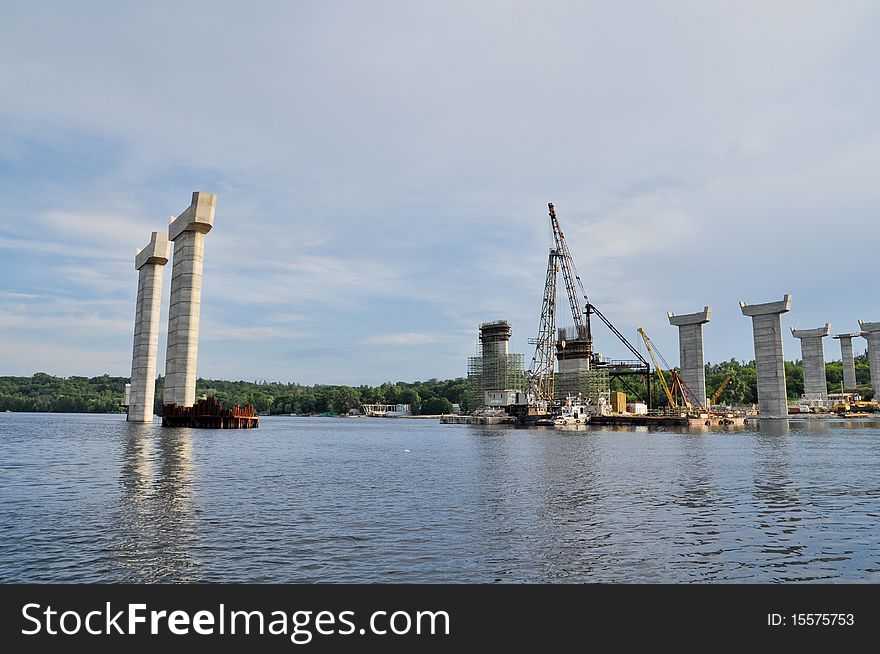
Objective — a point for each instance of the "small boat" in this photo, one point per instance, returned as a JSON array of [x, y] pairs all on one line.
[[572, 411]]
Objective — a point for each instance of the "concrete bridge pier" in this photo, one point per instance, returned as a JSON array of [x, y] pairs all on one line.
[[871, 333], [150, 264], [690, 346], [813, 356], [184, 313], [769, 357]]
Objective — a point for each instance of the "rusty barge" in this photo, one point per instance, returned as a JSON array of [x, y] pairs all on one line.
[[210, 414]]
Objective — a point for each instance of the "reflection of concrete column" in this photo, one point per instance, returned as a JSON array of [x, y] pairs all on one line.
[[149, 262], [848, 360], [813, 356], [871, 333], [769, 358], [188, 233], [690, 346]]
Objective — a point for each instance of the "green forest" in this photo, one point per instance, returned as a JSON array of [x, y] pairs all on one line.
[[104, 394]]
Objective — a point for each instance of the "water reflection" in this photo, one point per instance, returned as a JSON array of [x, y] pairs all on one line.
[[778, 502], [773, 427], [157, 522]]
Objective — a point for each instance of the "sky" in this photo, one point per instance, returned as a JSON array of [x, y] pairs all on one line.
[[383, 169]]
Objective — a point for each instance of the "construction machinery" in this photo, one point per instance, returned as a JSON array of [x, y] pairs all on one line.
[[541, 372], [720, 390], [678, 389], [572, 349]]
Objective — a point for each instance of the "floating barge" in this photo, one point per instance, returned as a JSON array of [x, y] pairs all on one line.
[[608, 420], [669, 421], [210, 414], [452, 419]]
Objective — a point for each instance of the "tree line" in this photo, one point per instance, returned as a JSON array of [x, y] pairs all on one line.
[[104, 394]]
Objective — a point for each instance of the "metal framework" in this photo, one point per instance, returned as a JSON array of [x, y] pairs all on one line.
[[503, 372], [569, 274], [541, 371]]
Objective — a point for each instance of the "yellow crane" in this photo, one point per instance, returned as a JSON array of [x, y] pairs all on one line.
[[718, 391], [666, 389]]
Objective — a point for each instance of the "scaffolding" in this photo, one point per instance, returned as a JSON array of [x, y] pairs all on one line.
[[590, 384], [501, 372]]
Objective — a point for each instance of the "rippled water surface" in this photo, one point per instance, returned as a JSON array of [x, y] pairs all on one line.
[[93, 498]]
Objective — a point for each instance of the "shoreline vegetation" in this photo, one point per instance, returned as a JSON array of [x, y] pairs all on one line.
[[49, 394]]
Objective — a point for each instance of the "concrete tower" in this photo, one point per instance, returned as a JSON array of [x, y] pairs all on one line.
[[813, 355], [188, 233], [767, 332], [849, 362], [495, 339], [149, 262], [871, 332], [690, 347]]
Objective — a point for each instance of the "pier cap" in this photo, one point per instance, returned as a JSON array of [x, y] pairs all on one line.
[[868, 327], [819, 332], [198, 217], [157, 252], [839, 336], [698, 318], [766, 308]]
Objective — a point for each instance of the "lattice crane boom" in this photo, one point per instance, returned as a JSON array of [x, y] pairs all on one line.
[[573, 282], [666, 389], [541, 372]]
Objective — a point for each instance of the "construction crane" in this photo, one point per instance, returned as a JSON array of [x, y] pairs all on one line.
[[678, 385], [648, 344], [718, 391], [573, 283], [541, 371]]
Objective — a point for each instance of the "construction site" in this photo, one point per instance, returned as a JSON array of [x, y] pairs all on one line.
[[569, 383]]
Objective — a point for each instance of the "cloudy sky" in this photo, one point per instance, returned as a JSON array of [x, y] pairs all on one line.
[[383, 168]]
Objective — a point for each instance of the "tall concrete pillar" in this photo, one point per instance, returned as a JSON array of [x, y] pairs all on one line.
[[149, 262], [849, 361], [813, 355], [769, 358], [690, 347], [871, 332], [188, 233]]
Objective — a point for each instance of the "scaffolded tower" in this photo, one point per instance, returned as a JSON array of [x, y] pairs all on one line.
[[495, 376]]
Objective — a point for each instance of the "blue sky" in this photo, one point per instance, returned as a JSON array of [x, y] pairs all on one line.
[[383, 168]]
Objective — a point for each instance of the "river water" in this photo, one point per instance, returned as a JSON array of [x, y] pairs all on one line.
[[92, 498]]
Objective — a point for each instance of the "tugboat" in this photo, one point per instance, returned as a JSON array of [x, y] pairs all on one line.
[[572, 411]]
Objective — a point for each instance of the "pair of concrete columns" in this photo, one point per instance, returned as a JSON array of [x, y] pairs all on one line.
[[187, 231], [767, 330], [769, 361]]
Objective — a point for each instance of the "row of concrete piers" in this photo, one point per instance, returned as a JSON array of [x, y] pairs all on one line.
[[769, 358]]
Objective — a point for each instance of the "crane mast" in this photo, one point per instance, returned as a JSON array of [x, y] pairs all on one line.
[[541, 372], [573, 282]]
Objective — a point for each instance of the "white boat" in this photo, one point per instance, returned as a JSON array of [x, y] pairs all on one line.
[[574, 411]]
